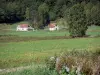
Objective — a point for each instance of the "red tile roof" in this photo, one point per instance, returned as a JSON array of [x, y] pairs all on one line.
[[24, 25], [52, 25]]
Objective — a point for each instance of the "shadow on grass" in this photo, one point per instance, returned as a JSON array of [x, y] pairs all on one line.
[[16, 38]]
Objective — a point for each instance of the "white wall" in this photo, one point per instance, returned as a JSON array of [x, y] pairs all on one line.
[[55, 28], [21, 29]]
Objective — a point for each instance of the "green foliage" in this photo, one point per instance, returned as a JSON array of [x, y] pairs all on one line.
[[50, 63], [88, 12], [35, 71], [62, 23], [58, 8], [12, 10], [43, 10], [2, 13], [52, 15], [92, 13], [76, 19], [27, 14], [95, 14], [9, 11]]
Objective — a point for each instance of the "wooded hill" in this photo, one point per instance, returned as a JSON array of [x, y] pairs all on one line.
[[40, 12]]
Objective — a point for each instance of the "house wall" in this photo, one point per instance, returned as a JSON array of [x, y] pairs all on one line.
[[54, 28], [22, 29]]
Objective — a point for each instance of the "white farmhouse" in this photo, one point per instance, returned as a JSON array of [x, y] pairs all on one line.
[[53, 27], [24, 27]]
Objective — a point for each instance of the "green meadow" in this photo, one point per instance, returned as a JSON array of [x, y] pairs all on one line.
[[23, 53], [38, 33]]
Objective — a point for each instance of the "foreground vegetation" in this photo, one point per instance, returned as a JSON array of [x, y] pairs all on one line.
[[84, 62]]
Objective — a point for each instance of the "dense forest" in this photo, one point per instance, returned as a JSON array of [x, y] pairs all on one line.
[[40, 12]]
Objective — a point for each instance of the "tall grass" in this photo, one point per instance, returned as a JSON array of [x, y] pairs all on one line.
[[85, 62], [79, 62]]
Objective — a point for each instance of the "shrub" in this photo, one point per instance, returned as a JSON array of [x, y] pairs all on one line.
[[76, 19], [62, 23], [84, 62], [50, 63]]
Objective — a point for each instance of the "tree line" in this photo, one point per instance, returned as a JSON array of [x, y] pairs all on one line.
[[39, 13]]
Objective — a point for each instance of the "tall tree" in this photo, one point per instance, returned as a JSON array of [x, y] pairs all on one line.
[[77, 21], [27, 14], [43, 10]]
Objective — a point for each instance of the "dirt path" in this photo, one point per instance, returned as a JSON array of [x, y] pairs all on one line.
[[2, 71], [14, 69]]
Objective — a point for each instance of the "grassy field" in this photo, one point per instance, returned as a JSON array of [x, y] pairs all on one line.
[[18, 53], [24, 53], [39, 33], [93, 31]]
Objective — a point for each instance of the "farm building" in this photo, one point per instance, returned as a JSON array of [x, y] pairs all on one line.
[[24, 27], [53, 27]]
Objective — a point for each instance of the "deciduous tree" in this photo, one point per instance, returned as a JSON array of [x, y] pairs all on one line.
[[76, 19]]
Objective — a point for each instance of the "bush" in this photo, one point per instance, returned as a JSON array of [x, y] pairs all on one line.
[[76, 19], [62, 23], [84, 62], [50, 63]]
